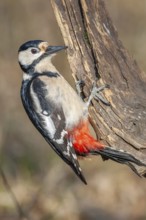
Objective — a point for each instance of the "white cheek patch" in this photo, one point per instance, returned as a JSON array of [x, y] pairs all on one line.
[[26, 58]]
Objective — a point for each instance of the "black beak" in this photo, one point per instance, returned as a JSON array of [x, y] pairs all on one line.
[[55, 49]]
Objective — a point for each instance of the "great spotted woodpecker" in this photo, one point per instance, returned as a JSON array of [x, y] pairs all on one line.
[[57, 111]]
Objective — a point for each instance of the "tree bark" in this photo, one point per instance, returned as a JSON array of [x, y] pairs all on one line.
[[96, 54]]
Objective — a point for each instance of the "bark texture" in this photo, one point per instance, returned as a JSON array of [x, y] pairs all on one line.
[[96, 54]]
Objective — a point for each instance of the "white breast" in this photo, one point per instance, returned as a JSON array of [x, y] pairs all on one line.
[[63, 94]]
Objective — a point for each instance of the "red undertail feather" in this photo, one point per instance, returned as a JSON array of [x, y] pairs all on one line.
[[83, 142]]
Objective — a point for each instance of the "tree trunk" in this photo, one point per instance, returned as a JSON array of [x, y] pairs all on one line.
[[96, 54]]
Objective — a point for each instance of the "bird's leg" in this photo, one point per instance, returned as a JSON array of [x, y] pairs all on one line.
[[79, 86], [95, 93]]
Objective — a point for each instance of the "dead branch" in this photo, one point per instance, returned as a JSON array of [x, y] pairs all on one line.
[[96, 54]]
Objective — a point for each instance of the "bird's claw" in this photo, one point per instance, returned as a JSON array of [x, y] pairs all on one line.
[[95, 93], [99, 97]]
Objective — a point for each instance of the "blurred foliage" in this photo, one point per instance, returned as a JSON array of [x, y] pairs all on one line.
[[42, 183]]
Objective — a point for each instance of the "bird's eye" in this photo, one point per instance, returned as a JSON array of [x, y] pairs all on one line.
[[34, 51]]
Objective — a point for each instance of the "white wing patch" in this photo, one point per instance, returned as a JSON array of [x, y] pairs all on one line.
[[74, 156], [52, 122], [45, 113], [35, 100], [48, 122], [59, 118], [67, 152], [61, 139], [49, 125]]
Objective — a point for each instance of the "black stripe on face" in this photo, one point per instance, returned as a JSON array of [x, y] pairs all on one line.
[[50, 74], [29, 69], [47, 73], [26, 69]]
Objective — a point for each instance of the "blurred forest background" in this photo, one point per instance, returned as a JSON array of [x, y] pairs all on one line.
[[45, 187]]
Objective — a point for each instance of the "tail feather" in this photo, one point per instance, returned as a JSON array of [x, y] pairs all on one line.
[[118, 156], [84, 145]]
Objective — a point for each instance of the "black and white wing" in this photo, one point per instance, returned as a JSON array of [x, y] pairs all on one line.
[[49, 119]]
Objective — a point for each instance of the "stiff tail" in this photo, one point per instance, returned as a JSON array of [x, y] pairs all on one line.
[[118, 156]]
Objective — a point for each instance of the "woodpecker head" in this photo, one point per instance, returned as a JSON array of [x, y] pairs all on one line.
[[33, 53]]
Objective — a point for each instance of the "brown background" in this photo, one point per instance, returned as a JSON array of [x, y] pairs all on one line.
[[113, 191]]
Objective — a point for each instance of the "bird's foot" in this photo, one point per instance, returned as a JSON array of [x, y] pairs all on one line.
[[95, 93]]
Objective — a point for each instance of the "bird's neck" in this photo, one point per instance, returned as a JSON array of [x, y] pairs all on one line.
[[45, 65], [41, 67]]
